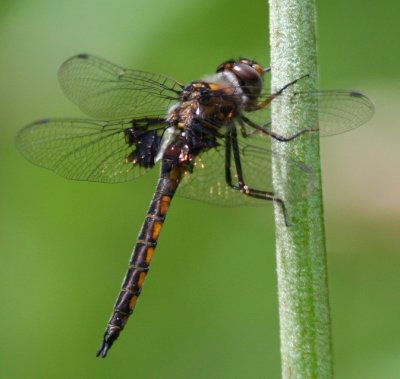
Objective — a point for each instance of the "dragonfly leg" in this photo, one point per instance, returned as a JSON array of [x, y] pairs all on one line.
[[232, 145], [266, 130], [266, 127], [268, 100], [263, 195]]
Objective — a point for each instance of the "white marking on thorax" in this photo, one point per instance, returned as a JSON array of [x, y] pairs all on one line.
[[166, 139], [230, 79]]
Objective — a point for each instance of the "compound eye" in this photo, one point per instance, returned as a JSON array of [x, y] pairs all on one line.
[[246, 73]]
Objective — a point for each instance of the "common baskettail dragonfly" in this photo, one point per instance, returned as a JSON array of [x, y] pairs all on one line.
[[209, 137]]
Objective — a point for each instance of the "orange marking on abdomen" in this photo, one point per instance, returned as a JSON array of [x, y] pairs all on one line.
[[165, 201], [142, 277], [149, 254], [156, 229], [132, 303]]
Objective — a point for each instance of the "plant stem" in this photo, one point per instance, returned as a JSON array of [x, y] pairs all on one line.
[[305, 333]]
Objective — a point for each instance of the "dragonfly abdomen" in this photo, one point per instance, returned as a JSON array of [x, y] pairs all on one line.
[[140, 259]]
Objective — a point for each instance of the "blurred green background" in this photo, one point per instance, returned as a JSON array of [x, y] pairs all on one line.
[[209, 309]]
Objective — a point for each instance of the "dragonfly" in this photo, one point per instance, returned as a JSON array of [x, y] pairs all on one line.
[[210, 139]]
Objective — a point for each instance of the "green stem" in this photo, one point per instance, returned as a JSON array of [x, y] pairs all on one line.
[[305, 333]]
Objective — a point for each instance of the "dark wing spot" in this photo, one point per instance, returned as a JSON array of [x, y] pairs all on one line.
[[356, 94], [83, 56]]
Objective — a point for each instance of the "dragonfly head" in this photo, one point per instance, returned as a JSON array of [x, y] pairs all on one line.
[[249, 75]]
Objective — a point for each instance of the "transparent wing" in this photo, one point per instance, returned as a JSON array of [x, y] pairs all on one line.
[[84, 149], [207, 182], [106, 91], [339, 111]]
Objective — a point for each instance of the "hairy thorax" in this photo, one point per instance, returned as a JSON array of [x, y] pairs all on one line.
[[212, 105]]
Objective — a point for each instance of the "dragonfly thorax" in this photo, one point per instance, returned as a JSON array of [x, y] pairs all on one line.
[[219, 98], [209, 104]]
